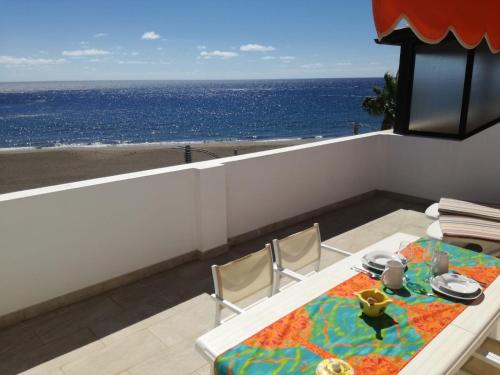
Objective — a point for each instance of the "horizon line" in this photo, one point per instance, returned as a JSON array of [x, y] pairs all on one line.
[[189, 79]]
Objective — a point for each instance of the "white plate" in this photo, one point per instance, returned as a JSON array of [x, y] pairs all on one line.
[[470, 297], [457, 284], [371, 266], [378, 259]]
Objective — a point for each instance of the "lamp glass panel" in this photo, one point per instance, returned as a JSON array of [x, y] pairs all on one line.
[[438, 84], [484, 102]]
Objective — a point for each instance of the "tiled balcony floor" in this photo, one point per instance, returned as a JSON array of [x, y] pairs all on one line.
[[149, 327]]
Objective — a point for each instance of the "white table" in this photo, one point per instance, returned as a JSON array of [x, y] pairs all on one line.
[[443, 355]]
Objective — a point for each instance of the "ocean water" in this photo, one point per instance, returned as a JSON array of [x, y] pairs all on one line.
[[45, 114]]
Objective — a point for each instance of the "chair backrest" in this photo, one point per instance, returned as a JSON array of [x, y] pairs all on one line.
[[243, 277], [298, 250]]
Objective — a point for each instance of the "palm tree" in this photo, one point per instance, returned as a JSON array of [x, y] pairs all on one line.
[[384, 101]]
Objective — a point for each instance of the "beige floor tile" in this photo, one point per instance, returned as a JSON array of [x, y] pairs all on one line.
[[201, 302], [415, 230], [70, 319], [186, 325], [23, 360], [205, 370], [43, 370], [181, 358], [329, 257], [112, 359], [198, 302], [74, 355], [368, 238], [343, 242], [20, 337], [399, 221], [123, 333]]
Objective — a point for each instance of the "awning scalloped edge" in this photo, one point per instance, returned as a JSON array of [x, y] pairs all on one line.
[[382, 32]]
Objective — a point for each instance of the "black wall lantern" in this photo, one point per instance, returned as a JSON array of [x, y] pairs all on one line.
[[445, 90]]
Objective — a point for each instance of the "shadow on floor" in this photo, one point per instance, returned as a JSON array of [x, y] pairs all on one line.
[[38, 340]]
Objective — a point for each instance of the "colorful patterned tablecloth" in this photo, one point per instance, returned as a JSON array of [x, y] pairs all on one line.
[[332, 325]]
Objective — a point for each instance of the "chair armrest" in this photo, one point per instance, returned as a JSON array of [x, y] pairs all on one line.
[[291, 274], [229, 305], [331, 248]]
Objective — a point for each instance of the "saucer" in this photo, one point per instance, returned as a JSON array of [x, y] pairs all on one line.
[[378, 259], [457, 284], [437, 285]]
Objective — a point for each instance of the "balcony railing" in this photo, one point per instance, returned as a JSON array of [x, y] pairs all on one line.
[[61, 239]]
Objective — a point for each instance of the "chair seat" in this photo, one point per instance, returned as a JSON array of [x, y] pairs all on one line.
[[488, 247]]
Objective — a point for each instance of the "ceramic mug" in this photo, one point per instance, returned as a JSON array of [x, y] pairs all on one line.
[[393, 275]]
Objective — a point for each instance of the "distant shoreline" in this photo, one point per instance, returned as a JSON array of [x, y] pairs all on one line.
[[161, 144], [32, 168]]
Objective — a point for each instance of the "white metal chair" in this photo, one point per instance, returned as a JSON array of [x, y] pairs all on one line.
[[297, 251], [240, 279]]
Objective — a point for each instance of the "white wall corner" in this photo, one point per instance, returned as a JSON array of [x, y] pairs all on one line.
[[383, 155], [211, 206]]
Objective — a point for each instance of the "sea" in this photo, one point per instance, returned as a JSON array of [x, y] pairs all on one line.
[[57, 114]]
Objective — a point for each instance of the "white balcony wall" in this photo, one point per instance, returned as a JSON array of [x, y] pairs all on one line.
[[432, 168], [271, 186], [60, 239]]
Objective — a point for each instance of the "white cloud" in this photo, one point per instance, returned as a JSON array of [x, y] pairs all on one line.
[[11, 60], [142, 62], [159, 49], [134, 53], [100, 35], [84, 43], [256, 48], [201, 48], [222, 54], [312, 66], [133, 62], [150, 35], [344, 64], [85, 52], [286, 59], [95, 60], [268, 58], [374, 63]]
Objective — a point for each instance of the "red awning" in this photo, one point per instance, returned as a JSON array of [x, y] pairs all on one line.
[[430, 20]]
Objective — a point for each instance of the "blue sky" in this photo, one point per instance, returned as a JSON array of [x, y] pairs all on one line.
[[184, 39]]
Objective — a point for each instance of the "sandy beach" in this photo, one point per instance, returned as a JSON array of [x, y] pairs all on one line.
[[22, 169]]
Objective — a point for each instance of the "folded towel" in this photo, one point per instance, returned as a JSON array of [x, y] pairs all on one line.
[[469, 227], [457, 207]]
